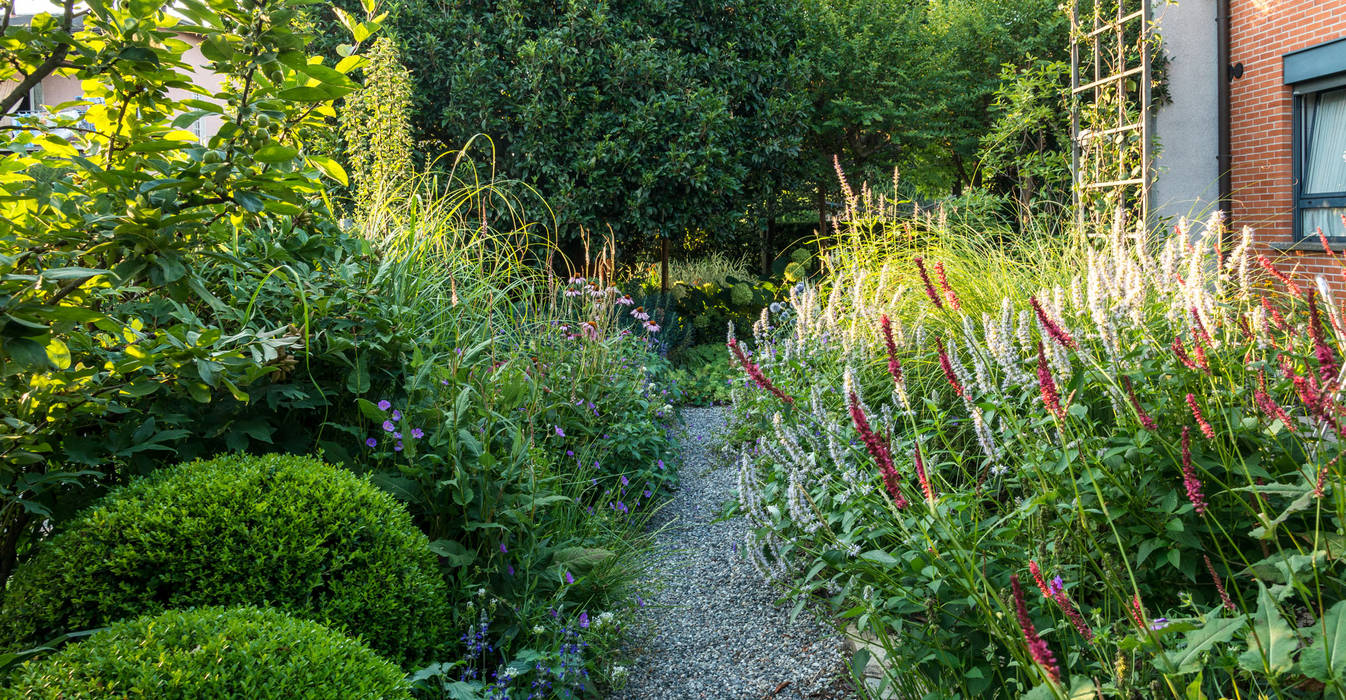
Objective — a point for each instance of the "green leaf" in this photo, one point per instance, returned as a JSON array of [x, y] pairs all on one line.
[[453, 551], [330, 168], [58, 354], [276, 153], [859, 662], [1272, 639], [1325, 659], [880, 557], [1201, 640]]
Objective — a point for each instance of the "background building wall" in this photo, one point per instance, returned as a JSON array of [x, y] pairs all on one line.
[[1187, 129], [1261, 32]]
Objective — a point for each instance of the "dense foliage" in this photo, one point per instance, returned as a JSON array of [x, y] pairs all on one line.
[[212, 652], [1151, 443], [111, 212], [312, 540]]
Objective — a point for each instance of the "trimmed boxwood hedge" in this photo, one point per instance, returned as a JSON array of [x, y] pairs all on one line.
[[310, 539], [212, 653]]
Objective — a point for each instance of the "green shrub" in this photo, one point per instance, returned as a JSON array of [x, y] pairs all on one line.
[[310, 539], [212, 653], [742, 294]]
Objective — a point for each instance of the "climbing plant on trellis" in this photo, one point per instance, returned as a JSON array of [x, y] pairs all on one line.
[[1111, 59]]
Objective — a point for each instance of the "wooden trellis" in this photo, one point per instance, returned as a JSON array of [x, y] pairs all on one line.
[[1111, 46]]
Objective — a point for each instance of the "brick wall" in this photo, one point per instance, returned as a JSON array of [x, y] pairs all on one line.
[[1261, 32]]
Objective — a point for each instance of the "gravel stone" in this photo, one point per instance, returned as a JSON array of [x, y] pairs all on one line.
[[713, 628]]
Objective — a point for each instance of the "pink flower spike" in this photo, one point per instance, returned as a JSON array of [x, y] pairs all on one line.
[[947, 367], [878, 449], [920, 474], [894, 365], [1189, 480], [949, 295], [1145, 420], [755, 373], [1327, 361], [1219, 586], [1037, 578], [1201, 422], [1047, 386], [1271, 269], [1053, 329], [1038, 649], [929, 288]]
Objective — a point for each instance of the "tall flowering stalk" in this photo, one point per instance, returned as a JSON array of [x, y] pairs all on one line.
[[1047, 386], [1038, 579], [1219, 586], [1180, 352], [1268, 405], [926, 488], [1189, 480], [756, 372], [1271, 269], [1201, 421], [947, 367], [1145, 419], [894, 365], [878, 449], [1037, 648], [929, 288], [1327, 361], [949, 295], [1052, 327]]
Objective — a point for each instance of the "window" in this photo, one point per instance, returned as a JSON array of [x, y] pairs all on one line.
[[1318, 77], [1321, 200]]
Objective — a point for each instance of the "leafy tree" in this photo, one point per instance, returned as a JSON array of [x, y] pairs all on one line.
[[110, 210], [969, 42], [652, 118], [1026, 152]]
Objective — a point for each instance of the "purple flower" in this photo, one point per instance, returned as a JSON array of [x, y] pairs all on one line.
[[1159, 623], [417, 433], [388, 426], [398, 446], [584, 620], [569, 578], [570, 453], [647, 493], [622, 507], [397, 435], [625, 482], [397, 415], [372, 442], [559, 432], [661, 464], [385, 405], [510, 569], [503, 549]]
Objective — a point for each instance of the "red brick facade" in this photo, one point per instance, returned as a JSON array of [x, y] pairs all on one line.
[[1261, 32]]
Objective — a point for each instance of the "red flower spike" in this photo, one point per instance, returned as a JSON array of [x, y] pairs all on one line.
[[755, 373], [1189, 480], [1219, 586], [1327, 361], [947, 367], [1271, 269], [878, 449], [1047, 386], [1053, 329], [1201, 422], [949, 295], [1038, 579], [929, 288], [1038, 649], [894, 365], [1145, 420], [928, 490]]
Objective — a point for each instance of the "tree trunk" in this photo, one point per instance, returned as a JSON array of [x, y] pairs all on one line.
[[768, 234]]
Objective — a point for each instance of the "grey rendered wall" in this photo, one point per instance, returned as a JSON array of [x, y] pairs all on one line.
[[1186, 166]]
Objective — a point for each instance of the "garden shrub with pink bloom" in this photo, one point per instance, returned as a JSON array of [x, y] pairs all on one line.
[[1123, 482]]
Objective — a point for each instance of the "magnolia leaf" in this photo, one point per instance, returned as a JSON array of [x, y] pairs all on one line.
[[1271, 641]]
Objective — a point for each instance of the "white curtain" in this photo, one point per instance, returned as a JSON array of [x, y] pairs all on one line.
[[1325, 161]]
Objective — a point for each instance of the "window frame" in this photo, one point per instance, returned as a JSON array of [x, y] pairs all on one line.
[[1312, 71], [1311, 200]]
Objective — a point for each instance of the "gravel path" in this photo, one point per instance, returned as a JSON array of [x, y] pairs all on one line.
[[713, 629]]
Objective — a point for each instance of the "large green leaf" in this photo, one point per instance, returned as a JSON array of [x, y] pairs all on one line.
[[1272, 640], [1325, 660], [1189, 659]]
